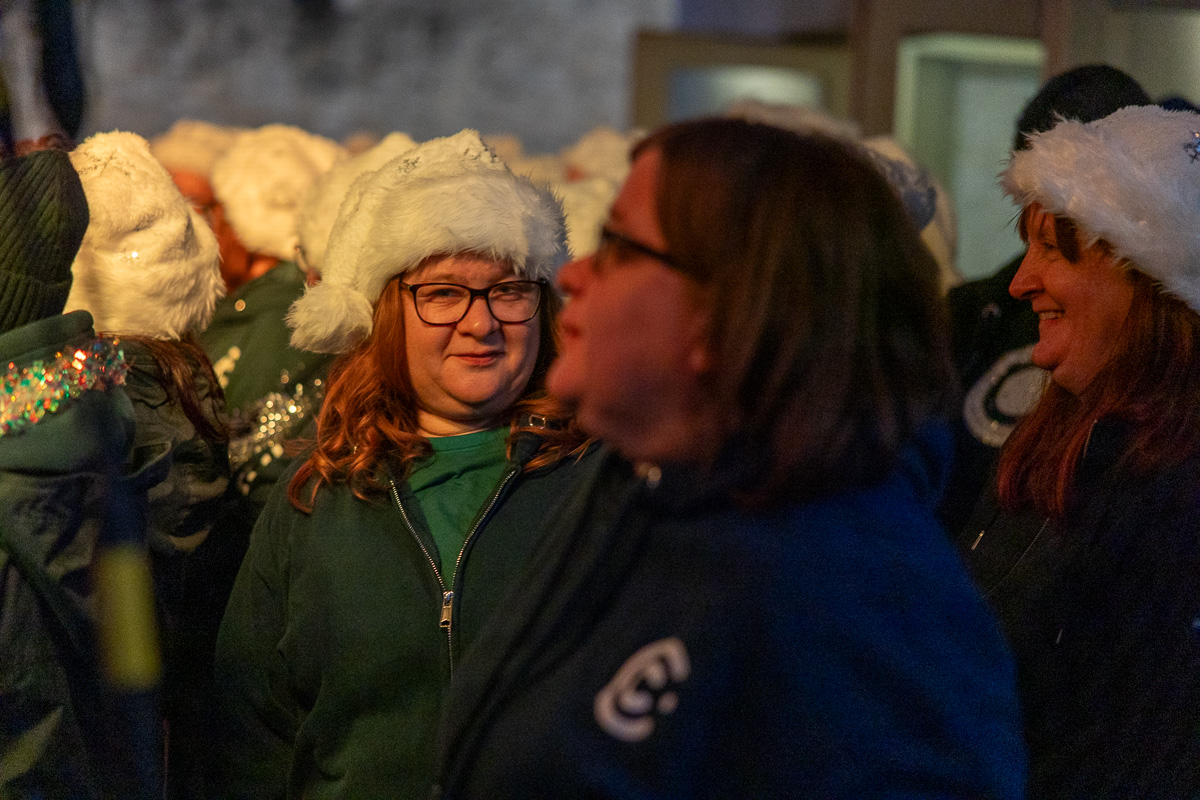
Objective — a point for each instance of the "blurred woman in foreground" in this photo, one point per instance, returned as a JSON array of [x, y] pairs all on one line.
[[752, 596]]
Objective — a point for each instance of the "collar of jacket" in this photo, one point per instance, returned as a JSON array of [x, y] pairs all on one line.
[[525, 447], [922, 463]]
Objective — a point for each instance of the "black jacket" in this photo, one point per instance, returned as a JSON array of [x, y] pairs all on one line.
[[1102, 610], [991, 333]]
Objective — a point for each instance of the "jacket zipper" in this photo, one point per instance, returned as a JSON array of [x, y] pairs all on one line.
[[446, 621], [447, 596]]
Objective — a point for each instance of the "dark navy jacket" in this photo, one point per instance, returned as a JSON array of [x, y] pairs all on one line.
[[670, 644], [1102, 611]]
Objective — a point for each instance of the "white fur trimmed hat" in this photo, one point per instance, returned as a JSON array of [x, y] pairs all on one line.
[[149, 264], [314, 221], [446, 196], [1131, 179], [585, 204], [262, 179], [193, 145], [600, 153]]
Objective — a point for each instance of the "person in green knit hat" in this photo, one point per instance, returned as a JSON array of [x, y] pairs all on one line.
[[66, 429], [437, 455]]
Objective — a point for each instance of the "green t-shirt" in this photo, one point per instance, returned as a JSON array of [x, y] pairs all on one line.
[[452, 485]]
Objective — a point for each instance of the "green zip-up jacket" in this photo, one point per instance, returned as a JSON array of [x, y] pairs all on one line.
[[340, 639]]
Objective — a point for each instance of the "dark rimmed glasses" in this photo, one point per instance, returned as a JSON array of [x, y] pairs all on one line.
[[610, 240], [448, 303]]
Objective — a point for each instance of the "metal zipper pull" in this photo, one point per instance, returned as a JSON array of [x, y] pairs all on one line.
[[447, 608]]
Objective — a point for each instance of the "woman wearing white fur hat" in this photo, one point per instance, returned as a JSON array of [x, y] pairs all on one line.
[[263, 429], [148, 271], [1093, 563], [261, 181], [437, 455]]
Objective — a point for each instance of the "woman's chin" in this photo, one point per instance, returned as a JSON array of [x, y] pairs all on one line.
[[562, 382]]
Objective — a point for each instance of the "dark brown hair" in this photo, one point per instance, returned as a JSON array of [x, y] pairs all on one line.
[[1151, 385], [179, 363], [369, 413], [827, 327]]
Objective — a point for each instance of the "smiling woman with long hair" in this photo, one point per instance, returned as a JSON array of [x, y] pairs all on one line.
[[437, 453], [1091, 558]]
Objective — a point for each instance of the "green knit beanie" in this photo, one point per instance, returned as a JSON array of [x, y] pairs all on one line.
[[43, 216]]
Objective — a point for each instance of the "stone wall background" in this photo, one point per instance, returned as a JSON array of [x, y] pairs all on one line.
[[546, 71]]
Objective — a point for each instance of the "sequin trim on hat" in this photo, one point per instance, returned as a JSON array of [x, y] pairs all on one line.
[[47, 387]]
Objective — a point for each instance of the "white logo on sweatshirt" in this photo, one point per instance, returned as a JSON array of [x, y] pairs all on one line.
[[642, 687]]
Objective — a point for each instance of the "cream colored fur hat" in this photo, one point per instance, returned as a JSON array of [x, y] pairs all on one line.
[[585, 204], [314, 222], [1131, 179], [925, 199], [600, 153], [262, 179], [446, 196], [193, 145], [149, 264]]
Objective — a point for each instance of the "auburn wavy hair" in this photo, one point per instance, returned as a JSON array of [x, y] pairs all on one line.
[[1151, 385], [369, 415]]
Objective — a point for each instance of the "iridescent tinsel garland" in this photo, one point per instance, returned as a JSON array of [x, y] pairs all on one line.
[[46, 387]]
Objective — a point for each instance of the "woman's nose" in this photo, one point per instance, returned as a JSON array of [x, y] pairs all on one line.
[[478, 321], [1027, 282], [572, 277]]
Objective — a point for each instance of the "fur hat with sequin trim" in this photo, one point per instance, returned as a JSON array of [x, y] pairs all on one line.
[[446, 196], [149, 264], [1131, 179], [262, 179]]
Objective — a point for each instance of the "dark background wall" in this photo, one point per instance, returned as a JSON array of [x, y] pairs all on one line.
[[546, 71]]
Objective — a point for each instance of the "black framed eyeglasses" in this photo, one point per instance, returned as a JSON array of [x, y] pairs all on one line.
[[610, 239], [448, 303]]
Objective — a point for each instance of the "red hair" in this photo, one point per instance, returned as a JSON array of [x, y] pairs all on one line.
[[369, 414], [1151, 385]]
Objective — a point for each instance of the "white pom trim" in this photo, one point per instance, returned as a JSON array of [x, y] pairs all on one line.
[[330, 318]]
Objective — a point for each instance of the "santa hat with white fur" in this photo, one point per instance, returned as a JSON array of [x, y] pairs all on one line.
[[193, 145], [446, 196], [262, 179], [1131, 179], [314, 221], [149, 264]]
